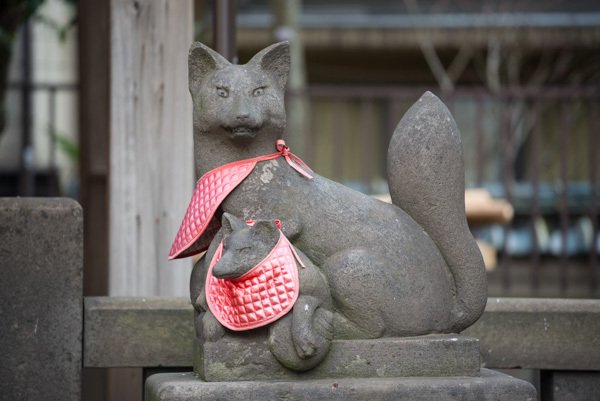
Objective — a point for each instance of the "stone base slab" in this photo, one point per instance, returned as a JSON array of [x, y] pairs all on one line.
[[489, 386], [249, 358]]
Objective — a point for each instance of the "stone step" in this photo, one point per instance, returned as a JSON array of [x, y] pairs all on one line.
[[489, 386]]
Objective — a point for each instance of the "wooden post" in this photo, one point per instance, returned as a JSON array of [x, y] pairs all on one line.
[[287, 27], [93, 141], [151, 160], [224, 29], [93, 53]]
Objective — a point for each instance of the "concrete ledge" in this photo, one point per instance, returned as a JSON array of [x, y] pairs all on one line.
[[552, 334], [490, 386], [138, 332]]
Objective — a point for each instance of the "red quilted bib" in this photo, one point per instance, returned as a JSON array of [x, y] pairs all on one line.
[[259, 297], [199, 226]]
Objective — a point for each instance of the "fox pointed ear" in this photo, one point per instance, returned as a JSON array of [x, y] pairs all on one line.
[[230, 223], [266, 229], [202, 60], [275, 60]]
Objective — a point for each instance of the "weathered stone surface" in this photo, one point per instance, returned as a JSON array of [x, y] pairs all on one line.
[[574, 386], [387, 274], [41, 260], [247, 357], [426, 178], [553, 334], [501, 330], [505, 323], [138, 332], [490, 386]]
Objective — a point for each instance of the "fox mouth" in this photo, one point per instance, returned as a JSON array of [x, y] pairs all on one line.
[[242, 131]]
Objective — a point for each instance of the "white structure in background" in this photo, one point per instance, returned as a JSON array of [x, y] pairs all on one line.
[[150, 128], [54, 61]]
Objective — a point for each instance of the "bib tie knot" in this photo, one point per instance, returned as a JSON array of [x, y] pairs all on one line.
[[284, 150]]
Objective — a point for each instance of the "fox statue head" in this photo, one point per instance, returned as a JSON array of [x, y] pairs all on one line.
[[244, 246], [239, 110]]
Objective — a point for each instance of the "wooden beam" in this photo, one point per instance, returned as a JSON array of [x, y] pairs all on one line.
[[224, 38], [94, 50]]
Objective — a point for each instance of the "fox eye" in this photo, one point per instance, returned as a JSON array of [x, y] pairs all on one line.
[[258, 92], [222, 92]]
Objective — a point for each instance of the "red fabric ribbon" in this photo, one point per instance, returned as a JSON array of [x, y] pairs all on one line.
[[199, 226], [285, 152]]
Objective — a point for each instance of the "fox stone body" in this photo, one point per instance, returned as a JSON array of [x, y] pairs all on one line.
[[403, 269]]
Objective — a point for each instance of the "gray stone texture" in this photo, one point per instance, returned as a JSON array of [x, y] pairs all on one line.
[[426, 177], [137, 332], [553, 334], [392, 270], [570, 338], [574, 386], [239, 358], [490, 386], [41, 260]]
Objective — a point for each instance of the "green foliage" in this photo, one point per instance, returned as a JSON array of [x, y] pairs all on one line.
[[68, 147], [61, 29], [65, 144]]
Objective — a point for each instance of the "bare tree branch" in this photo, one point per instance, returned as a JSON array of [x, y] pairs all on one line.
[[426, 45], [492, 67], [460, 62]]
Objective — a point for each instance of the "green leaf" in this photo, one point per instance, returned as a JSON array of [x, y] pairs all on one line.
[[68, 146], [65, 144]]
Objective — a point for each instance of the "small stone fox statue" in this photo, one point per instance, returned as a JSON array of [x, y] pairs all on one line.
[[299, 340], [403, 269]]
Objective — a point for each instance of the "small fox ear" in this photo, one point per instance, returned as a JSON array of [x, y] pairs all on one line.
[[230, 223], [202, 60], [275, 60], [265, 229]]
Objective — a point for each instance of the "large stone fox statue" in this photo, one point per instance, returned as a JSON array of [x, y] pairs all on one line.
[[403, 269]]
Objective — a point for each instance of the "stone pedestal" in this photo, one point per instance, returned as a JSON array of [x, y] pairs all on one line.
[[247, 357], [433, 367], [489, 386], [41, 260]]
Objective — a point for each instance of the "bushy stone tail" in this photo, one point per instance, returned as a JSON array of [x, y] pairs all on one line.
[[426, 178]]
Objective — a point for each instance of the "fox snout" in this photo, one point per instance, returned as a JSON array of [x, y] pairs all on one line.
[[242, 120]]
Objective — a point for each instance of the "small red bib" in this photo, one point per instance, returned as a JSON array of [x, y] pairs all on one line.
[[259, 297], [199, 226]]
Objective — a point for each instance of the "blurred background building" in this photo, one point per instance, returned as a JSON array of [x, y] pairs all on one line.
[[521, 78], [95, 102]]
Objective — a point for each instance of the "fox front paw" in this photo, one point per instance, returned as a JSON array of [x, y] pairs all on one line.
[[309, 339]]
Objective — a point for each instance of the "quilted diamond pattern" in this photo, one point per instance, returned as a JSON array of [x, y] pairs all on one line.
[[259, 297], [199, 226]]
